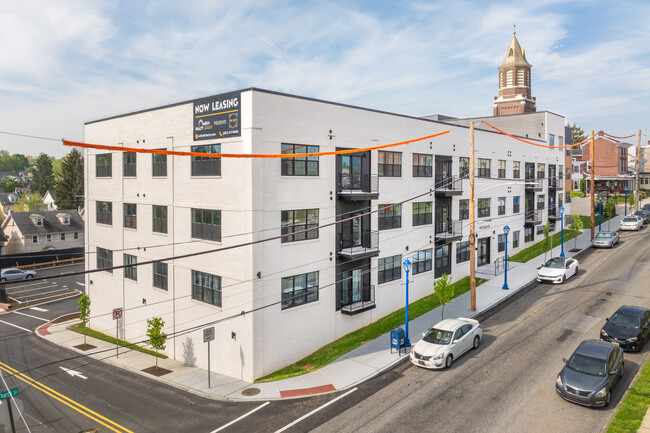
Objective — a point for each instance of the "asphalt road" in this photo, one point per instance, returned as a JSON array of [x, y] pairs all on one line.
[[44, 287]]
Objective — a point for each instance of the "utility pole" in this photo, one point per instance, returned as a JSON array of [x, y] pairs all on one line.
[[593, 168], [638, 170], [472, 238]]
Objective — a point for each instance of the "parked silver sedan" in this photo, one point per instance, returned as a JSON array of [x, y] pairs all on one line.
[[632, 222], [13, 274], [605, 240], [445, 342]]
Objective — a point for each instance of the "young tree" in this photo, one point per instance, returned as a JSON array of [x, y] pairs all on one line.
[[9, 184], [157, 337], [576, 228], [444, 291], [547, 238], [577, 133], [30, 203], [43, 174], [583, 186], [84, 311], [610, 210], [69, 187]]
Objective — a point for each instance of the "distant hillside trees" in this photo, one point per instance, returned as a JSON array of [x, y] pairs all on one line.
[[43, 174], [15, 163], [69, 187]]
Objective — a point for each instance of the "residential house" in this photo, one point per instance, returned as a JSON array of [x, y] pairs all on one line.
[[30, 232]]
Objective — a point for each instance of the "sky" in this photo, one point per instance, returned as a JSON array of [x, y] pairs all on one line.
[[68, 62]]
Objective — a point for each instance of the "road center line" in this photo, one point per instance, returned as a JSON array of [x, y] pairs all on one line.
[[316, 410], [16, 326], [240, 418], [33, 317]]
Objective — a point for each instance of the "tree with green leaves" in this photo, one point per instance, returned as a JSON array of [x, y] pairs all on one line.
[[43, 174], [30, 203], [84, 312], [444, 291], [577, 133], [583, 186], [69, 187], [9, 184], [610, 210], [576, 228], [157, 337], [547, 238]]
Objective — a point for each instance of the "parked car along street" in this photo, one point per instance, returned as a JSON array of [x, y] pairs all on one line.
[[631, 223], [644, 215], [445, 342], [557, 270], [13, 274], [605, 239], [629, 328]]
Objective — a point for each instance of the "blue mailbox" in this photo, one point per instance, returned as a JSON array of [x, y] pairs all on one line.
[[397, 340]]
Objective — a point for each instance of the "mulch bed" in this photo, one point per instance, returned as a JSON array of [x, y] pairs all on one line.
[[85, 346], [156, 371], [575, 250]]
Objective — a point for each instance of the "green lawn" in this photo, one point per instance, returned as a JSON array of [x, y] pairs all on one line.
[[632, 410], [351, 341], [98, 335]]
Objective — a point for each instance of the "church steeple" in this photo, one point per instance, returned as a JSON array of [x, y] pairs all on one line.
[[515, 95]]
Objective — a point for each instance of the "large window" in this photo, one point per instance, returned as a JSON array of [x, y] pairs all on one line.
[[501, 245], [501, 202], [463, 167], [483, 207], [528, 234], [422, 213], [160, 275], [502, 169], [297, 220], [206, 288], [132, 271], [159, 164], [103, 165], [299, 290], [104, 259], [540, 202], [422, 165], [389, 269], [515, 204], [129, 168], [130, 216], [160, 219], [422, 261], [484, 167], [104, 212], [206, 224], [540, 171], [389, 216], [462, 252], [515, 239], [442, 256], [206, 165], [463, 209], [516, 169], [390, 164], [299, 166]]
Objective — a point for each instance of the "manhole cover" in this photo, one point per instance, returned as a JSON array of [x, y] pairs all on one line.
[[249, 392]]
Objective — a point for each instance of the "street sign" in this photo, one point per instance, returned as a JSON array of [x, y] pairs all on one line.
[[208, 334], [117, 313], [7, 394]]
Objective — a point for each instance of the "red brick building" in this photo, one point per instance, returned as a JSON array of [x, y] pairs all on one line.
[[611, 172]]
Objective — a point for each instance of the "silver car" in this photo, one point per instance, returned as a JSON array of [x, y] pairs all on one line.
[[14, 274], [605, 240], [445, 342], [631, 223]]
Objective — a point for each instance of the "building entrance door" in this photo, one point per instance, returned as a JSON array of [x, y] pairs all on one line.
[[351, 172], [483, 251]]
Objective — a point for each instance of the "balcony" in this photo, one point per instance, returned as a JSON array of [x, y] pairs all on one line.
[[357, 301], [553, 183], [553, 214], [449, 230], [354, 245], [533, 217], [353, 187], [448, 185], [533, 185]]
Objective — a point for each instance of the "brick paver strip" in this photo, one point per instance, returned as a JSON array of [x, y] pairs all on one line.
[[43, 329], [307, 391]]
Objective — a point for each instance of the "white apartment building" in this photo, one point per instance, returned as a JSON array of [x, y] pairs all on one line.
[[274, 302]]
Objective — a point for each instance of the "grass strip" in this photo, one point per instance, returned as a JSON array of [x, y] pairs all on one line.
[[98, 335], [351, 341], [631, 412]]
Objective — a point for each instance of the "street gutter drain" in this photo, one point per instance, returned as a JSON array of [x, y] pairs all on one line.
[[249, 392]]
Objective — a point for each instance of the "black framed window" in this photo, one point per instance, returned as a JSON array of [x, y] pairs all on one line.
[[132, 271], [422, 213], [515, 239], [389, 164], [160, 275], [206, 288], [129, 168], [389, 269], [297, 220], [539, 230], [206, 224], [501, 243], [158, 164], [422, 165], [484, 167], [540, 171], [159, 219], [540, 202], [516, 169], [104, 212], [299, 166], [442, 256], [130, 216], [462, 252], [389, 216], [528, 234], [501, 202], [299, 290], [104, 259], [206, 165], [501, 168], [463, 167], [463, 209], [422, 261], [483, 207], [515, 204], [103, 165]]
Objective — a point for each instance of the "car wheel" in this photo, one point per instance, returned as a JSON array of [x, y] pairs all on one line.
[[29, 276], [477, 342], [563, 278], [4, 279], [609, 396], [576, 271], [449, 361], [620, 372]]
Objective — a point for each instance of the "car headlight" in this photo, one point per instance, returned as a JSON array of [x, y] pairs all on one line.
[[558, 381], [601, 393], [631, 340], [603, 333], [437, 357]]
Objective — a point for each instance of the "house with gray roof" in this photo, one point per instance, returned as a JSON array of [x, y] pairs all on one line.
[[43, 231]]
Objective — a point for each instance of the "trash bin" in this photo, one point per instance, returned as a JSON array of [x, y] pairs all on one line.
[[397, 340]]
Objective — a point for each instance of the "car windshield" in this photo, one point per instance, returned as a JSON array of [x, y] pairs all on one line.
[[629, 220], [554, 264], [437, 336], [625, 320], [588, 365], [604, 235]]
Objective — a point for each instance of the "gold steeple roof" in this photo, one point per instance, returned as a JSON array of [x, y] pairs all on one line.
[[515, 55]]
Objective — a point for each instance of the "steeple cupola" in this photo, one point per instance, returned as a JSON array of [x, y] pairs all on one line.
[[514, 82]]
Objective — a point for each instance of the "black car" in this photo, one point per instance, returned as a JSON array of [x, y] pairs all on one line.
[[646, 207], [629, 328], [590, 374], [645, 215]]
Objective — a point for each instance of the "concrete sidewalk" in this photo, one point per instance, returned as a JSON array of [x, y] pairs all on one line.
[[347, 371]]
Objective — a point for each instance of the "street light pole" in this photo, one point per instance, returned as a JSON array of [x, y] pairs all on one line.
[[407, 268], [600, 212], [506, 230], [625, 189], [562, 230]]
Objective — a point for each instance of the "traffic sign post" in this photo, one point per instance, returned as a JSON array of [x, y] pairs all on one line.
[[117, 315], [6, 398], [208, 336], [6, 394]]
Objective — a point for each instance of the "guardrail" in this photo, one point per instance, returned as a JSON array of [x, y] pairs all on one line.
[[51, 264]]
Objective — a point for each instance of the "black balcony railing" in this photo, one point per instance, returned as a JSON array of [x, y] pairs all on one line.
[[448, 183], [483, 172], [500, 265], [449, 228], [358, 183], [355, 301], [358, 242], [533, 215], [532, 184], [552, 182]]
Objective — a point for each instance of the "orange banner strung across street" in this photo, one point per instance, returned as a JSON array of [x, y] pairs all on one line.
[[239, 155], [613, 136], [536, 144]]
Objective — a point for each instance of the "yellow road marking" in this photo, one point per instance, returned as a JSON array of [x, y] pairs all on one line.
[[66, 400]]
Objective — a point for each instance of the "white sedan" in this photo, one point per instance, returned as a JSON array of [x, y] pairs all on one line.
[[632, 222], [446, 341], [13, 274], [557, 270]]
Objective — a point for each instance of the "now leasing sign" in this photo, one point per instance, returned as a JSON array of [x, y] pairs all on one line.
[[217, 117]]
